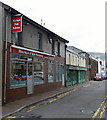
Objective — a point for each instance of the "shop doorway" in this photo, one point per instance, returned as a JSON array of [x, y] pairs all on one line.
[[30, 78]]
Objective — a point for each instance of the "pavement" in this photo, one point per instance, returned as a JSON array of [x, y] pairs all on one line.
[[15, 106]]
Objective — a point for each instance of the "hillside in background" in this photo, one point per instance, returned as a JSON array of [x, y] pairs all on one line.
[[98, 55]]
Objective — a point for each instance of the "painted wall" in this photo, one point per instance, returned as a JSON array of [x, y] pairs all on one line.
[[30, 39], [74, 59]]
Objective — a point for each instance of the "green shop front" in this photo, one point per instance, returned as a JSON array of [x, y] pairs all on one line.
[[75, 75]]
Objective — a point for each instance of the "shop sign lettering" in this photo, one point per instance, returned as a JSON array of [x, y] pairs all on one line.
[[25, 52], [17, 24]]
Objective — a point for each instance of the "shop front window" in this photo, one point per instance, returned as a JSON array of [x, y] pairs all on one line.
[[38, 73], [50, 71], [18, 77], [59, 71], [62, 67]]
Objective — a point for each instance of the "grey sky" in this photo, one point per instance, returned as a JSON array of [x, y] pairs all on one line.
[[81, 22]]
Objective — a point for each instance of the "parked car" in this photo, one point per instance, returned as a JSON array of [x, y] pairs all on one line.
[[98, 76], [105, 77]]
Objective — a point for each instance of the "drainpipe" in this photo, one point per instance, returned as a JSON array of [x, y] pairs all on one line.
[[5, 60], [65, 66], [5, 74]]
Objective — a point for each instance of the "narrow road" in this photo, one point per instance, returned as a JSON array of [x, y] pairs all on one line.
[[88, 101]]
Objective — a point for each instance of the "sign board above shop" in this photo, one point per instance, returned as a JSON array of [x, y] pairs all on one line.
[[29, 53], [17, 24]]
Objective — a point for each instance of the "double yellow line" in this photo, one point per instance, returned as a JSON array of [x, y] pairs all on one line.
[[10, 118], [47, 102], [52, 100], [100, 111]]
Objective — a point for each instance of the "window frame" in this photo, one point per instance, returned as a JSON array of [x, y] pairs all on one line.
[[40, 37]]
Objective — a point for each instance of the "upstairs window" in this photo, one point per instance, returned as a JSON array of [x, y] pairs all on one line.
[[53, 47], [39, 41], [17, 38], [20, 38], [51, 41], [59, 49]]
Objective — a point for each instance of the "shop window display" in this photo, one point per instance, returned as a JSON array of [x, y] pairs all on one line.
[[50, 71], [18, 76], [21, 65], [59, 71], [38, 73]]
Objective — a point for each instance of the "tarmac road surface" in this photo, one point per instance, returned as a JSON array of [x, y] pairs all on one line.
[[88, 101]]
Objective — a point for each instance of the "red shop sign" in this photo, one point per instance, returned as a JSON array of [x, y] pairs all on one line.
[[17, 24], [29, 53]]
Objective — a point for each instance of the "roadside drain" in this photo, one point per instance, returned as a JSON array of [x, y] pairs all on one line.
[[87, 111]]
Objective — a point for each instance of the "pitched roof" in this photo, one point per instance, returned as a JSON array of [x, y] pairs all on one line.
[[13, 11]]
